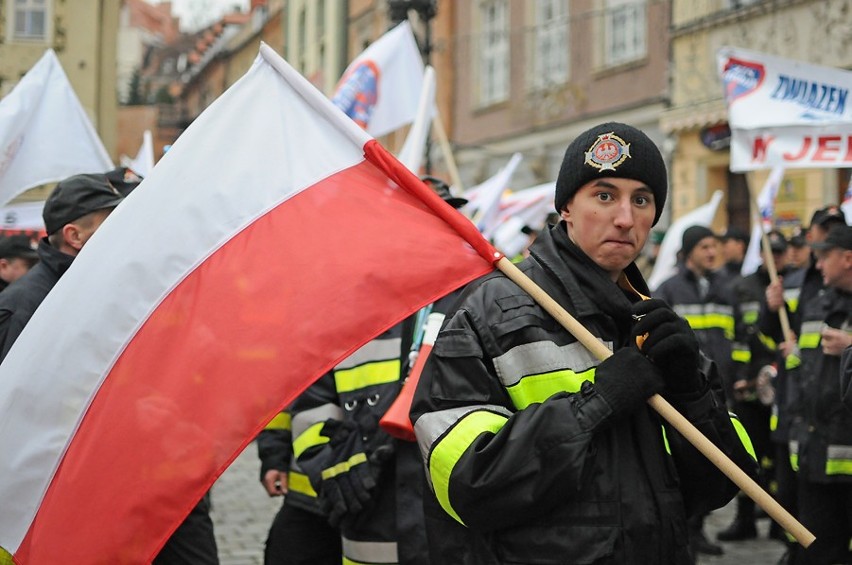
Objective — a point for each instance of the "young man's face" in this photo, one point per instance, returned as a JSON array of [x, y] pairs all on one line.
[[13, 268], [610, 219], [703, 256]]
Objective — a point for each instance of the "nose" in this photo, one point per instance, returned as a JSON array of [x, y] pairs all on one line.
[[624, 215]]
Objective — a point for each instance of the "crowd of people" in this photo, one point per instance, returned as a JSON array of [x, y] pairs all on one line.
[[526, 445]]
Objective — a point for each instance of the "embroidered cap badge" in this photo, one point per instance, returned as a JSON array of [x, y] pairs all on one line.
[[607, 152]]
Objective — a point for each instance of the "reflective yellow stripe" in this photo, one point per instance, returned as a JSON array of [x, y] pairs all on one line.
[[741, 355], [5, 557], [743, 435], [447, 452], [773, 422], [809, 340], [376, 373], [794, 461], [712, 321], [767, 341], [310, 438], [838, 467], [750, 317], [792, 362], [279, 422], [344, 466], [666, 441], [538, 388], [299, 482]]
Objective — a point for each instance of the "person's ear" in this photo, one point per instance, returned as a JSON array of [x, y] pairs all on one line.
[[72, 236], [565, 214]]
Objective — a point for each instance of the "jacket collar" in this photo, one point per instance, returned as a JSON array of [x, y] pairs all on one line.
[[54, 260]]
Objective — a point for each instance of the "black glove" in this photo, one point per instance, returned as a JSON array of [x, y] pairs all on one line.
[[346, 486], [626, 380], [670, 344]]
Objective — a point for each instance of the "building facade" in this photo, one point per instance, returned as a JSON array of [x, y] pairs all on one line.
[[811, 31], [83, 35], [532, 74]]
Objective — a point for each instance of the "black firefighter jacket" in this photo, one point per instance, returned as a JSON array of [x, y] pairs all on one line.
[[19, 300], [526, 462]]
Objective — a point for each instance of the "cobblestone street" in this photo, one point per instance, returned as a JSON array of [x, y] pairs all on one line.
[[242, 513]]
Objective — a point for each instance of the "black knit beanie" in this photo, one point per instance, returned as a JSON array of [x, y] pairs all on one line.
[[612, 150], [691, 236]]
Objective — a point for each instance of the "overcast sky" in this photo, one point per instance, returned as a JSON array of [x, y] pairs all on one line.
[[195, 14]]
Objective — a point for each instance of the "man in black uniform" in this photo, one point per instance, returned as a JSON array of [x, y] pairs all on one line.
[[536, 452], [17, 256]]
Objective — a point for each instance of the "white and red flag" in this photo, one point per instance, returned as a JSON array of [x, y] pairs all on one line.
[[45, 135], [380, 88], [273, 240]]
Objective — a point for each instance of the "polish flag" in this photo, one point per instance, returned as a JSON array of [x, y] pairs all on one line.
[[273, 240]]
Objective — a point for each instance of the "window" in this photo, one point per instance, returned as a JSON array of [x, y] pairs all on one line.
[[624, 30], [29, 20], [493, 52], [550, 36]]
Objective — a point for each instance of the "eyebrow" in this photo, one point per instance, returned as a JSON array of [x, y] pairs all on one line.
[[606, 184]]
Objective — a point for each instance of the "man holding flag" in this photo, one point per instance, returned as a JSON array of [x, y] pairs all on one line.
[[537, 452]]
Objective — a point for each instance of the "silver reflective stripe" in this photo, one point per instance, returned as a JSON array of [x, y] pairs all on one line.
[[698, 309], [304, 420], [376, 350], [543, 357], [791, 294], [811, 327], [432, 425], [750, 306], [840, 452], [793, 445], [370, 551]]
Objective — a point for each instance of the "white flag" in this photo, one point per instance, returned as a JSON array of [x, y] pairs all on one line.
[[666, 264], [483, 204], [763, 222], [144, 161], [381, 87], [45, 135]]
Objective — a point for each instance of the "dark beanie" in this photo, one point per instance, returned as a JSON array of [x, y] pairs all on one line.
[[612, 150], [691, 236]]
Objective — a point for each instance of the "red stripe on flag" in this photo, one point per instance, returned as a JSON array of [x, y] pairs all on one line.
[[273, 309]]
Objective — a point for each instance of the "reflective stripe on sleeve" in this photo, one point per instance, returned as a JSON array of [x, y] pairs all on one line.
[[740, 353], [449, 433], [304, 420], [743, 435], [279, 422], [374, 373], [309, 438], [811, 334]]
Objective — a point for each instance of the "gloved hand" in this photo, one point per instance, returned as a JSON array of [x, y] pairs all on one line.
[[626, 380], [670, 344], [347, 485]]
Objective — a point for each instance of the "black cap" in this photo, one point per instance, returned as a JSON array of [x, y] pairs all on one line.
[[77, 196], [777, 241], [612, 150], [691, 236], [123, 179], [838, 237], [797, 239], [733, 232], [443, 190], [17, 246], [827, 215]]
